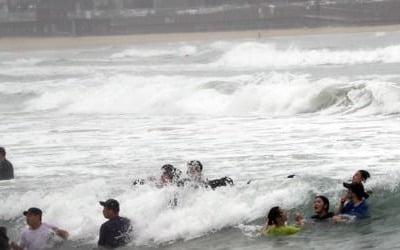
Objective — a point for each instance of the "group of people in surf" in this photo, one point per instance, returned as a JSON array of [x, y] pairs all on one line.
[[117, 230], [352, 205], [171, 175]]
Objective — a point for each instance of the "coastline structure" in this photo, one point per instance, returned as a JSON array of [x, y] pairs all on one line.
[[121, 17]]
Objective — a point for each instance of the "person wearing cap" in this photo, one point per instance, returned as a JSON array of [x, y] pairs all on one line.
[[356, 205], [6, 168], [38, 235], [117, 231]]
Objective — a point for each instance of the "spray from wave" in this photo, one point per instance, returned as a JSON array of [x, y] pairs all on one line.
[[270, 94]]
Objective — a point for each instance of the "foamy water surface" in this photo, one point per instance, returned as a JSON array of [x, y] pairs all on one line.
[[80, 125]]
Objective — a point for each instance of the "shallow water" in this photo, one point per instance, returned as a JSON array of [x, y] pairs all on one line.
[[81, 125]]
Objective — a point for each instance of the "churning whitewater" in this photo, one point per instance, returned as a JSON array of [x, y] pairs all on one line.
[[80, 125]]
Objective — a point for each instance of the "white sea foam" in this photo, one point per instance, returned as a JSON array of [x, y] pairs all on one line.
[[144, 52], [258, 55], [274, 93]]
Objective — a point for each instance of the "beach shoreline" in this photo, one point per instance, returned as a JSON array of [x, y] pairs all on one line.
[[50, 43]]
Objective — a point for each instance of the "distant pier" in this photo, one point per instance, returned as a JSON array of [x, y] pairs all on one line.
[[108, 17]]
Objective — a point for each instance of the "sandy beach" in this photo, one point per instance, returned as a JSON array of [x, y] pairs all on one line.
[[44, 43]]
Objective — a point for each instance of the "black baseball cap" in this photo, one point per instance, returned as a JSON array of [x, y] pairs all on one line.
[[111, 204], [357, 189], [33, 210]]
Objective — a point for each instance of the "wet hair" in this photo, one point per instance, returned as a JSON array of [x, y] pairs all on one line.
[[2, 151], [364, 174], [273, 214], [324, 200], [196, 164], [171, 172]]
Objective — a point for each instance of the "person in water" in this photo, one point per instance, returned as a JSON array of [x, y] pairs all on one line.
[[361, 176], [117, 231], [38, 235], [169, 176], [195, 173], [6, 168], [353, 204], [276, 223], [4, 241], [321, 208]]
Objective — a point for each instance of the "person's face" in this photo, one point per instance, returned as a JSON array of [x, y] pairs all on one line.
[[319, 206], [357, 178], [107, 212], [192, 172], [32, 220], [283, 215], [165, 179]]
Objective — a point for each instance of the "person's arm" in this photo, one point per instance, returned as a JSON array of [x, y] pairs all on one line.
[[61, 232], [15, 246], [339, 209], [300, 221], [102, 236]]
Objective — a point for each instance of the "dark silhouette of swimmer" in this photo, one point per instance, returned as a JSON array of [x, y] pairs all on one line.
[[6, 168]]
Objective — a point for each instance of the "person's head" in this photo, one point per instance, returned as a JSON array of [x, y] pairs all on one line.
[[3, 232], [2, 153], [277, 216], [110, 208], [361, 176], [168, 172], [321, 205], [33, 217], [355, 190], [194, 168]]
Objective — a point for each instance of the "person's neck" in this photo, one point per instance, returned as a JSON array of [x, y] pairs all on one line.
[[356, 201], [279, 223], [114, 216], [322, 213], [35, 226]]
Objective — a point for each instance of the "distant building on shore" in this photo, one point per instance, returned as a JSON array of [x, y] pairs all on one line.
[[107, 17]]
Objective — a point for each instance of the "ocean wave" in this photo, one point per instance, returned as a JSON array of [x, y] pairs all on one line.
[[253, 55], [143, 52], [260, 94]]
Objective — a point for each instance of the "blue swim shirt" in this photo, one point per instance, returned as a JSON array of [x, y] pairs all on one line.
[[359, 211]]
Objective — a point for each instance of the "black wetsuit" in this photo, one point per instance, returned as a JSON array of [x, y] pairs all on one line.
[[115, 233], [6, 170], [324, 217]]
